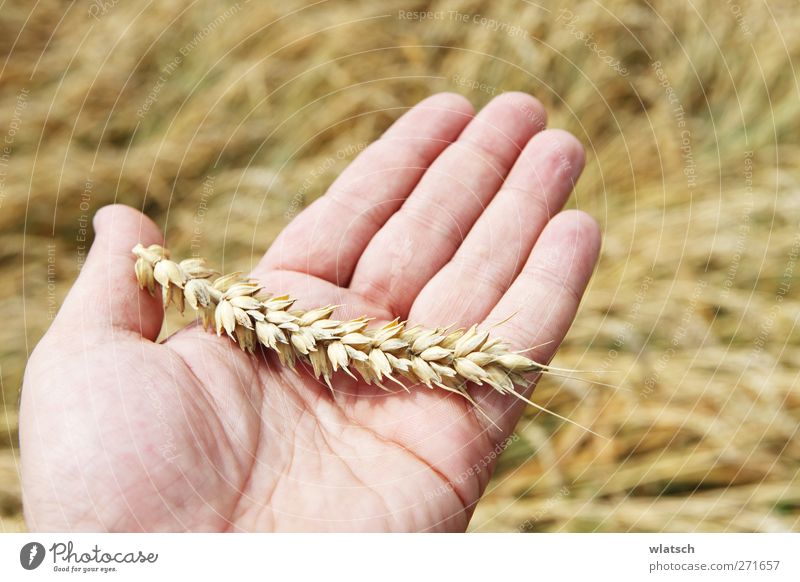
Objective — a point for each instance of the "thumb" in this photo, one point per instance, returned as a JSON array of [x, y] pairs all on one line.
[[106, 297]]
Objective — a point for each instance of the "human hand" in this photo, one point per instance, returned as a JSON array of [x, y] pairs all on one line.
[[449, 218]]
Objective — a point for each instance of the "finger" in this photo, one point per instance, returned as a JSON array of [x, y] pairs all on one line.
[[327, 239], [106, 296], [485, 265], [540, 305], [429, 227]]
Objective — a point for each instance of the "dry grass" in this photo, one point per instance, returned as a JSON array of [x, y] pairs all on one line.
[[693, 303], [441, 358]]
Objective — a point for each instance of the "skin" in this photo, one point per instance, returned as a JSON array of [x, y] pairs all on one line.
[[452, 217]]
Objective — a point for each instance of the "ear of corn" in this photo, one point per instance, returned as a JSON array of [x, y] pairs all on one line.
[[239, 308]]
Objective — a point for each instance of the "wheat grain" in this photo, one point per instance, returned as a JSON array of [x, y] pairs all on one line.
[[238, 307]]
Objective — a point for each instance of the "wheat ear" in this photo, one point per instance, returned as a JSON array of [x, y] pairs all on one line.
[[237, 306]]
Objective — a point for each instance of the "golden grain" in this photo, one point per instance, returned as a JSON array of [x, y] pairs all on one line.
[[443, 358]]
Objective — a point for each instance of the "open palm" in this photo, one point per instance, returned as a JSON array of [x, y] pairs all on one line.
[[449, 218]]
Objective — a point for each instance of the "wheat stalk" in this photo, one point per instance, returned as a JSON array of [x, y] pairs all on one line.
[[235, 305]]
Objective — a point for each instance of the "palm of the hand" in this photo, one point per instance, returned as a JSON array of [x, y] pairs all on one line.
[[122, 433], [196, 434], [263, 447]]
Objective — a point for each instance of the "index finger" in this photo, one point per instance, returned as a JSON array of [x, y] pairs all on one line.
[[327, 239]]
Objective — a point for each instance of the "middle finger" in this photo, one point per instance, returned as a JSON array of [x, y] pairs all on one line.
[[422, 236]]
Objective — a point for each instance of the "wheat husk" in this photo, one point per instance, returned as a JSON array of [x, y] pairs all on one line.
[[391, 354]]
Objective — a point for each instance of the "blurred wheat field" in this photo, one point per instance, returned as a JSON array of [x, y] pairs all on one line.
[[210, 114]]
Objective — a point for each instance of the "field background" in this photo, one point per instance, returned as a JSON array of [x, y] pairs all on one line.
[[689, 113]]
